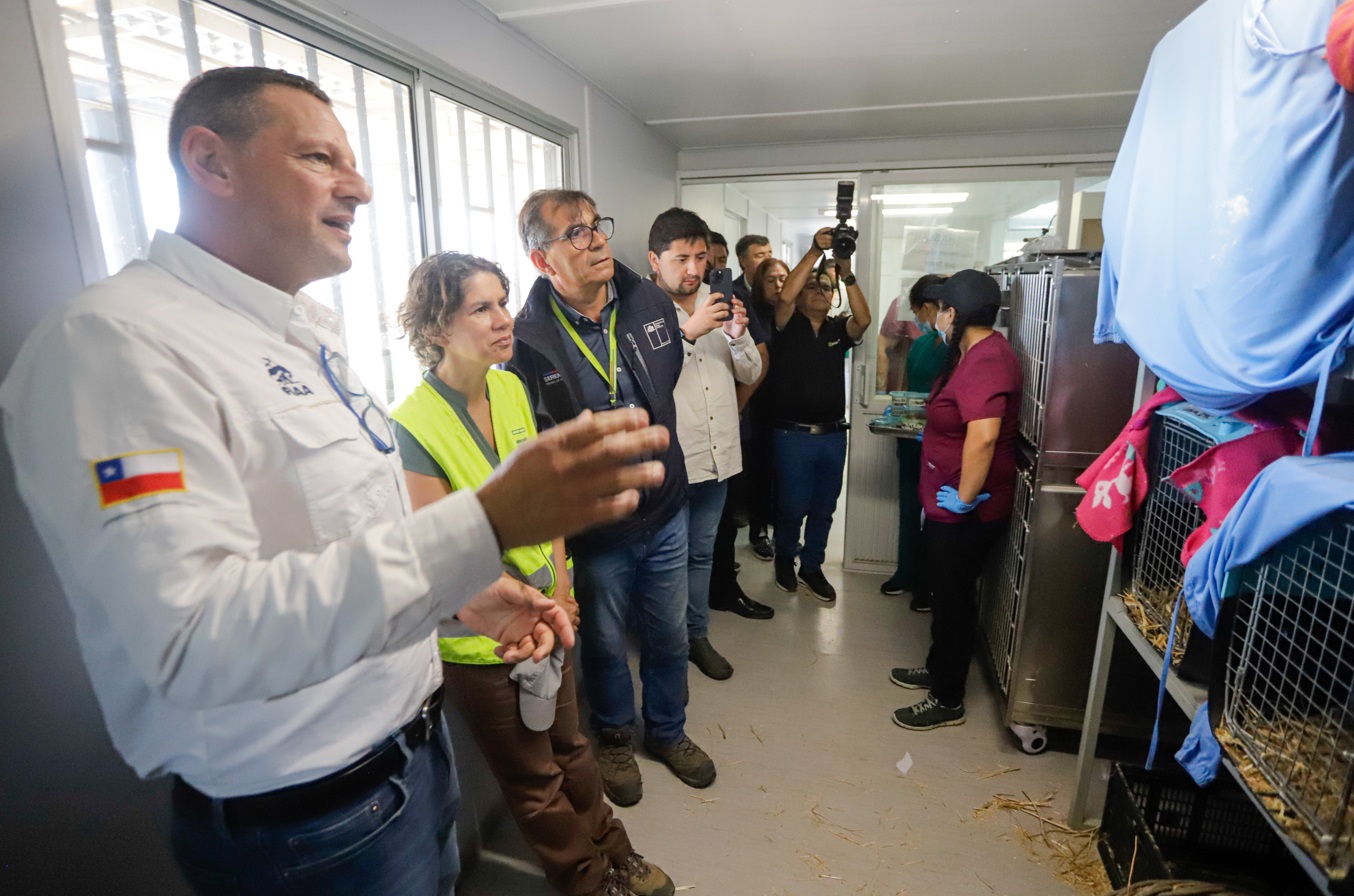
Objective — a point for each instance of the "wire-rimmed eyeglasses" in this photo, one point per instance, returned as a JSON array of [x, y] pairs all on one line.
[[339, 374], [580, 235]]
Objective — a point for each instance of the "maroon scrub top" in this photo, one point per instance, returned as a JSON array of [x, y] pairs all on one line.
[[987, 383]]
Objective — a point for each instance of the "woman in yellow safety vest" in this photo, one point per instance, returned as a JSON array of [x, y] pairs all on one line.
[[453, 430]]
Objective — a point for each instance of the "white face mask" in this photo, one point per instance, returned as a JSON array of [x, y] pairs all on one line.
[[944, 337]]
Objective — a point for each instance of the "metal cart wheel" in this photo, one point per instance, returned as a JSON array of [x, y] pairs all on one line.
[[1033, 738]]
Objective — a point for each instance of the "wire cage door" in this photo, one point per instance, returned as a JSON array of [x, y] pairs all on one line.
[[1287, 715], [1033, 298], [1167, 518], [1001, 604]]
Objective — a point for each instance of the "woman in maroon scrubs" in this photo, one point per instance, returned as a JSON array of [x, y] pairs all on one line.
[[967, 487]]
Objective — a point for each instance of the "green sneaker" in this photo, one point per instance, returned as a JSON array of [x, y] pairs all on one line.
[[928, 714]]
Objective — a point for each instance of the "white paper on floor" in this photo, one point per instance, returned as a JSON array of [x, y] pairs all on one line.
[[905, 764]]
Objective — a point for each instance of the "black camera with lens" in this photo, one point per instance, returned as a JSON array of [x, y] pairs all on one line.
[[844, 235]]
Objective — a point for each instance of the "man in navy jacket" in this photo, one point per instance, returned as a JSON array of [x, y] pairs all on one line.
[[594, 335]]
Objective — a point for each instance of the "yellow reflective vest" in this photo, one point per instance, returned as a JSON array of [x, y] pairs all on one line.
[[442, 433]]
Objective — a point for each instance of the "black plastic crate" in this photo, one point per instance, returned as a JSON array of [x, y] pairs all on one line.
[[1160, 825]]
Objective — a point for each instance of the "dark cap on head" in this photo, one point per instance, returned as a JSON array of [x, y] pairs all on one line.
[[967, 292]]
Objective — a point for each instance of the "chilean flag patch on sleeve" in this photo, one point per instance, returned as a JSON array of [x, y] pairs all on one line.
[[139, 474]]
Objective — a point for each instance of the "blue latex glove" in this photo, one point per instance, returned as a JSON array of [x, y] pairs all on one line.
[[948, 498]]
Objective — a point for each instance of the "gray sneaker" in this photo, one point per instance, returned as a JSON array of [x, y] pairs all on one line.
[[616, 762], [688, 762], [928, 714], [916, 679]]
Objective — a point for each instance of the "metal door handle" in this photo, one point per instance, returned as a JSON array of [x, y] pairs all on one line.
[[860, 386]]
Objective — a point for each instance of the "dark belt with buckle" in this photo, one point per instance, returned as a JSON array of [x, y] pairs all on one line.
[[333, 791], [813, 429]]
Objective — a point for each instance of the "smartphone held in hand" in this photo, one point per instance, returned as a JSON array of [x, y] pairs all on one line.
[[721, 282]]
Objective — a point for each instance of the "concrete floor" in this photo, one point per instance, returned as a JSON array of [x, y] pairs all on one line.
[[809, 799]]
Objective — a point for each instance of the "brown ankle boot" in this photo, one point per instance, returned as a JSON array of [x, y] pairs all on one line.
[[645, 878]]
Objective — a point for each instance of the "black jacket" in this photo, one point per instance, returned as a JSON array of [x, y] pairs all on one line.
[[648, 336]]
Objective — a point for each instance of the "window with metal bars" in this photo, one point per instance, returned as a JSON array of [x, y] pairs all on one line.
[[130, 58]]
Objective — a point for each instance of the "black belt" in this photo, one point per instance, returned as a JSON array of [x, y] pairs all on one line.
[[333, 791], [813, 429]]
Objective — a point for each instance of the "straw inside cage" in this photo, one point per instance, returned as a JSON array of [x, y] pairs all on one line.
[[1287, 718], [1167, 518]]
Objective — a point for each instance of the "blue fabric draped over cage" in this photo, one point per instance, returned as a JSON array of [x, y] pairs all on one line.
[[1229, 217]]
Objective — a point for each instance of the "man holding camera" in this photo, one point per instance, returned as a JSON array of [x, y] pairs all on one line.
[[809, 405], [718, 352]]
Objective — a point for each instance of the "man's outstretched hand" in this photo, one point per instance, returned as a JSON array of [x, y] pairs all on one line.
[[574, 476], [521, 619]]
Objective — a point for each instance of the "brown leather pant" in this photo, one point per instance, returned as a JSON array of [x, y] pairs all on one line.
[[549, 778]]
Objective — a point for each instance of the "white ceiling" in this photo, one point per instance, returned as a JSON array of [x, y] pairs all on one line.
[[708, 73]]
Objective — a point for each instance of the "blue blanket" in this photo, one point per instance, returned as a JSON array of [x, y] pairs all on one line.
[[1229, 217]]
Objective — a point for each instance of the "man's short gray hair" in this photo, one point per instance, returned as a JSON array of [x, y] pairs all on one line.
[[226, 101], [531, 224]]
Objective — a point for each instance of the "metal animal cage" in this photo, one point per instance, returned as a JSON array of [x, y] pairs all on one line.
[[1289, 674], [1033, 298], [1180, 434], [1004, 592]]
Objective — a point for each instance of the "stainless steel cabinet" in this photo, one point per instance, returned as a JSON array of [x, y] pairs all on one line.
[[1041, 596]]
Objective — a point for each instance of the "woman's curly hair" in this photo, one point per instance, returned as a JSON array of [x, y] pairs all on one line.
[[436, 292]]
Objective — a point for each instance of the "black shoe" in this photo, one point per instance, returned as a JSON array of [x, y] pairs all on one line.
[[709, 660], [762, 548], [818, 584], [894, 585], [785, 576], [917, 678], [921, 603], [928, 714], [742, 605]]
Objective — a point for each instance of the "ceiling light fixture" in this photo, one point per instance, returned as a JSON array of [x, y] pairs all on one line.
[[920, 198], [917, 211]]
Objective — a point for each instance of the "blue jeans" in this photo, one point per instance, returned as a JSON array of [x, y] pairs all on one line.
[[645, 579], [705, 503], [398, 838], [808, 482]]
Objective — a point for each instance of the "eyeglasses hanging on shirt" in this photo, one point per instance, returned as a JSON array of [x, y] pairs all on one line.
[[612, 373], [339, 374]]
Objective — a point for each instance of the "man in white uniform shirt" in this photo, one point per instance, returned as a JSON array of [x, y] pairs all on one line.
[[221, 499], [719, 352]]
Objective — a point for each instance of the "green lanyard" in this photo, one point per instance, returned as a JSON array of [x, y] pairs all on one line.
[[609, 374]]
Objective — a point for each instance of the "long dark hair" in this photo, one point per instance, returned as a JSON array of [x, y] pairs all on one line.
[[982, 316], [757, 286]]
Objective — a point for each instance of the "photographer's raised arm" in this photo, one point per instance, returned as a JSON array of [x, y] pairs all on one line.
[[794, 283], [860, 308]]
